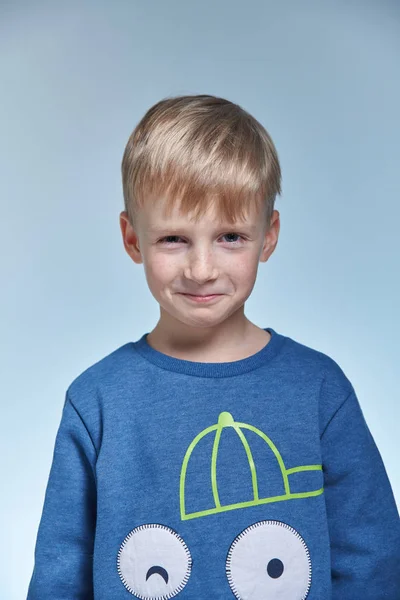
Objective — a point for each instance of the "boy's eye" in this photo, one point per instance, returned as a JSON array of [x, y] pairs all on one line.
[[167, 240], [230, 235]]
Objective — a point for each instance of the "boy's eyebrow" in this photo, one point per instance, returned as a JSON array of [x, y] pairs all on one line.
[[161, 228]]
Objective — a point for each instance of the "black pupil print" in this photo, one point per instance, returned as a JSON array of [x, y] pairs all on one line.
[[160, 570], [275, 568]]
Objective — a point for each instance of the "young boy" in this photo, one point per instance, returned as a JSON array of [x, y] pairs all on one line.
[[212, 458]]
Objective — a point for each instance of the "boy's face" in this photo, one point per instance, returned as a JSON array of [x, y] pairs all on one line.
[[205, 257]]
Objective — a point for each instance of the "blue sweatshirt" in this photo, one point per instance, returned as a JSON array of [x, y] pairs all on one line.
[[252, 479]]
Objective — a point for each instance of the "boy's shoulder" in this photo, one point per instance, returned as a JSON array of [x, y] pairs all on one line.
[[302, 356], [108, 372], [308, 363]]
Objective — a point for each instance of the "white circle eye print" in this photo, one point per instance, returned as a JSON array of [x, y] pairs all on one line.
[[154, 563], [267, 561]]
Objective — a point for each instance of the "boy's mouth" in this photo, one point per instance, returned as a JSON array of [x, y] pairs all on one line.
[[201, 298]]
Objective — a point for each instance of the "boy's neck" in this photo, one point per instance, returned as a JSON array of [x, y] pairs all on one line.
[[240, 344]]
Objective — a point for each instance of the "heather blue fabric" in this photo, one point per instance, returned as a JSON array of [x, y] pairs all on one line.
[[127, 424]]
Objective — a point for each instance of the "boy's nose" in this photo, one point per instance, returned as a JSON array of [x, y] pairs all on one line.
[[201, 269]]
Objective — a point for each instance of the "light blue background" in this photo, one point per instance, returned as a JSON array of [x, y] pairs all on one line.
[[323, 78]]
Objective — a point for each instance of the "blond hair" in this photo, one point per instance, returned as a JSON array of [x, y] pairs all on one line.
[[194, 149]]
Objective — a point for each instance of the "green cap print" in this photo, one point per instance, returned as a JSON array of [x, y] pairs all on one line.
[[226, 420]]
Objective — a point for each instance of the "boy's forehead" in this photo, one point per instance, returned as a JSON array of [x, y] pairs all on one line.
[[154, 218]]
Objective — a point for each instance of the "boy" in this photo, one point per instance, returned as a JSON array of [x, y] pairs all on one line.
[[212, 458]]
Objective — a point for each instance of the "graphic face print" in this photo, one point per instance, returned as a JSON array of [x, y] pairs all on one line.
[[268, 560]]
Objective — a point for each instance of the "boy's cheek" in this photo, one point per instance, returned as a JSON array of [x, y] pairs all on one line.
[[160, 266]]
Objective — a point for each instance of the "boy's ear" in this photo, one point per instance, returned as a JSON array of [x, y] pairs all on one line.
[[271, 237], [130, 238]]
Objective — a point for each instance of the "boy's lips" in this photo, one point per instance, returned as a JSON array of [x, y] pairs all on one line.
[[201, 298]]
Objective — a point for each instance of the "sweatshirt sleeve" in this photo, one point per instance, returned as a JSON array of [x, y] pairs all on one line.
[[64, 544], [363, 519]]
